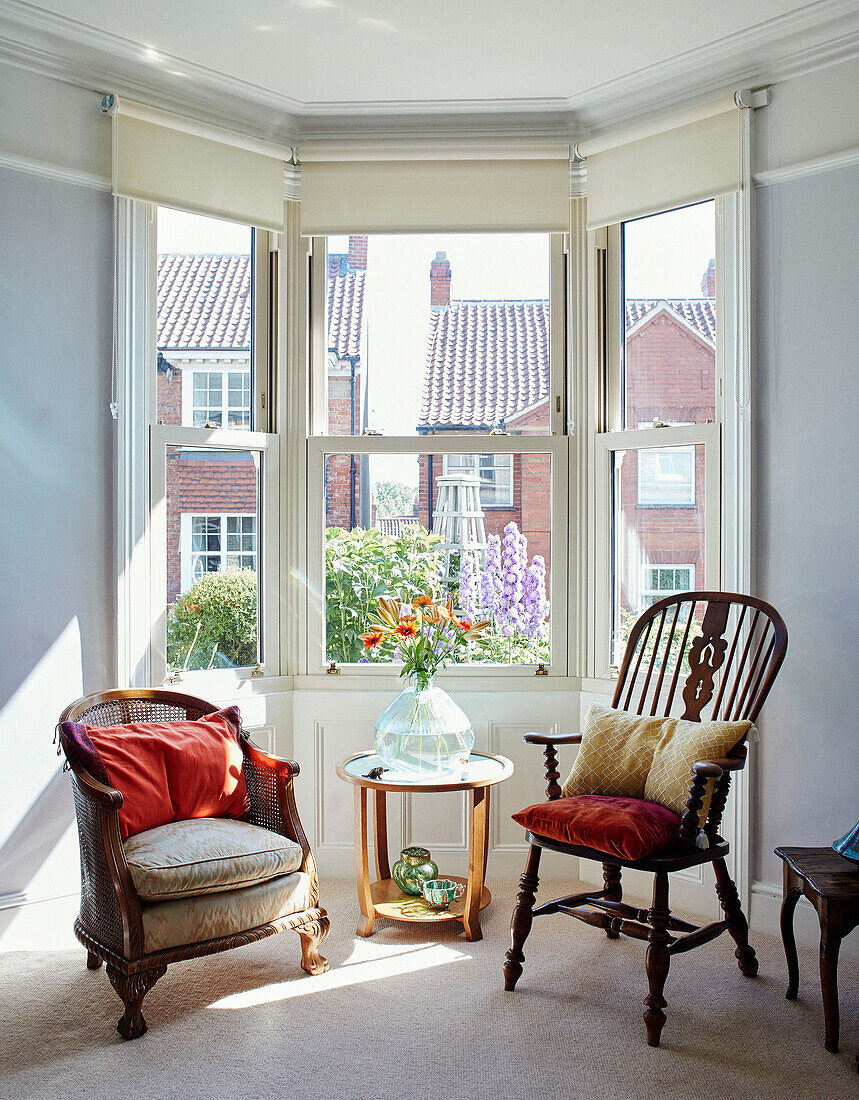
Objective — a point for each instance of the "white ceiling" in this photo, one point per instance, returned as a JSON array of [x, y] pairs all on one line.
[[295, 66]]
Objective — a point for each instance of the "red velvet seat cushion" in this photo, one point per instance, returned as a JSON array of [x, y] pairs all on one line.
[[167, 771], [626, 827]]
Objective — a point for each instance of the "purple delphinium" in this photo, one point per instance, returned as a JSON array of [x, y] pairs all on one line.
[[491, 583], [514, 564], [536, 604], [467, 587]]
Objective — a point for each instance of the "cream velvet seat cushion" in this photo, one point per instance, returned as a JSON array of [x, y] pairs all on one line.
[[208, 916], [206, 855]]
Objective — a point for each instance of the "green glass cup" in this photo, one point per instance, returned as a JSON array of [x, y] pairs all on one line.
[[412, 869]]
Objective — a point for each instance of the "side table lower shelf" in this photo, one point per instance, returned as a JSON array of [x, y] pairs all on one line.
[[390, 902]]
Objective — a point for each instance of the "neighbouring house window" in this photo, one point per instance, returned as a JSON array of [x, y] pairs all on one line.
[[666, 477], [495, 473], [221, 399], [426, 340], [219, 543], [659, 581]]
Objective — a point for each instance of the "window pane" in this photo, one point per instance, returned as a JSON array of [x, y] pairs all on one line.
[[205, 321], [432, 333], [658, 545], [212, 558], [669, 280], [404, 526]]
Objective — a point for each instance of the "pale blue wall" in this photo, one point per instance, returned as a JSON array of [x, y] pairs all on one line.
[[56, 535], [806, 523]]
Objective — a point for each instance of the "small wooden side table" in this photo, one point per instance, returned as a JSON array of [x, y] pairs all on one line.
[[831, 884], [383, 898]]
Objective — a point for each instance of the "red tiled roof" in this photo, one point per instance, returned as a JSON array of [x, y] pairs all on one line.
[[489, 361], [204, 301], [699, 313], [345, 311], [486, 361]]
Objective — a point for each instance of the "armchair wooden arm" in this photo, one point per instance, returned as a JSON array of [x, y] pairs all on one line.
[[110, 908], [550, 757], [272, 801], [703, 772]]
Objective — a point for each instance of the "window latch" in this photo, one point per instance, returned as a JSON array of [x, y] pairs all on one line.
[[175, 677], [541, 670], [257, 670], [657, 423], [371, 431], [499, 431], [332, 669]]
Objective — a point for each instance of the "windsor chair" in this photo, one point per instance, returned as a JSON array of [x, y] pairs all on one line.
[[733, 646]]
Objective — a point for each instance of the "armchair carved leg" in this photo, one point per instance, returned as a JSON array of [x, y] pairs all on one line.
[[132, 988], [523, 916], [613, 892], [738, 928], [93, 961], [311, 935], [658, 959]]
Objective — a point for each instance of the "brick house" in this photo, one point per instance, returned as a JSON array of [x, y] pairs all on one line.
[[488, 367]]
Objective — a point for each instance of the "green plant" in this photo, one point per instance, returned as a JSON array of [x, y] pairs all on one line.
[[363, 566], [214, 623]]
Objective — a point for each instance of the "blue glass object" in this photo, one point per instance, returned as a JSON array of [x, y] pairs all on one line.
[[848, 845]]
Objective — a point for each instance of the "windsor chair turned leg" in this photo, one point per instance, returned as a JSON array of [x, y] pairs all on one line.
[[613, 892], [523, 916], [657, 959], [730, 901], [93, 961]]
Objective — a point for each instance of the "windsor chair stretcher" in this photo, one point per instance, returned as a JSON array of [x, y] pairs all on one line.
[[732, 664]]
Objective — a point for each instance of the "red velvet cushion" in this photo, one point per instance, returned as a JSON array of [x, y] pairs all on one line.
[[172, 771], [626, 827]]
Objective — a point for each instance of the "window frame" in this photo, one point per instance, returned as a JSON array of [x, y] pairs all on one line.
[[186, 544], [659, 593], [224, 369], [475, 470], [690, 503], [266, 445], [723, 464], [313, 660]]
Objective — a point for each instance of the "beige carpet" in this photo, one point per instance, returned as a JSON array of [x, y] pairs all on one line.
[[417, 1011]]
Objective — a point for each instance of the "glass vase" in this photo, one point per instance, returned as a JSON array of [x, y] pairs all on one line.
[[423, 734]]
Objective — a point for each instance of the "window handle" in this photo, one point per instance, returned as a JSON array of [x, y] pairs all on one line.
[[371, 431]]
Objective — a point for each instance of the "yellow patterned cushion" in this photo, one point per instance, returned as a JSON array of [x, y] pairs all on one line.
[[683, 744], [635, 756], [615, 754]]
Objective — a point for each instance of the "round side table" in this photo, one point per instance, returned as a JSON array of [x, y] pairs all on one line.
[[383, 898]]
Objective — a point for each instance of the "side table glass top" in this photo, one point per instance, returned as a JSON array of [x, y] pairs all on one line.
[[481, 770]]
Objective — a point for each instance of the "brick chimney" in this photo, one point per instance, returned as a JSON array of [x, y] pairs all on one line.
[[708, 283], [440, 281], [357, 258]]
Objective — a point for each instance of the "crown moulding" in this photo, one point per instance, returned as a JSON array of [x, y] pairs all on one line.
[[819, 34]]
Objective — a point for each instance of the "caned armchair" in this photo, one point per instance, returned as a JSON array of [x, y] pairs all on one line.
[[138, 937], [729, 648]]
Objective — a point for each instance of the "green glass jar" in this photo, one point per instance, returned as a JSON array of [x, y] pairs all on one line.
[[411, 870]]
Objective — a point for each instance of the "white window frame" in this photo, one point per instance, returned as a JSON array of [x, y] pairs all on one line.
[[320, 446], [313, 659], [187, 552], [141, 531], [268, 556], [474, 468], [725, 441]]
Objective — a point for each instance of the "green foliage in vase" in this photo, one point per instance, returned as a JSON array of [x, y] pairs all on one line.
[[214, 623]]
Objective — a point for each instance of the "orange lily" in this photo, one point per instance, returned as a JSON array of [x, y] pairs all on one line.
[[389, 611]]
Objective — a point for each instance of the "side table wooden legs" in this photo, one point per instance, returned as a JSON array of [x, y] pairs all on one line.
[[788, 905], [362, 865], [477, 852]]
